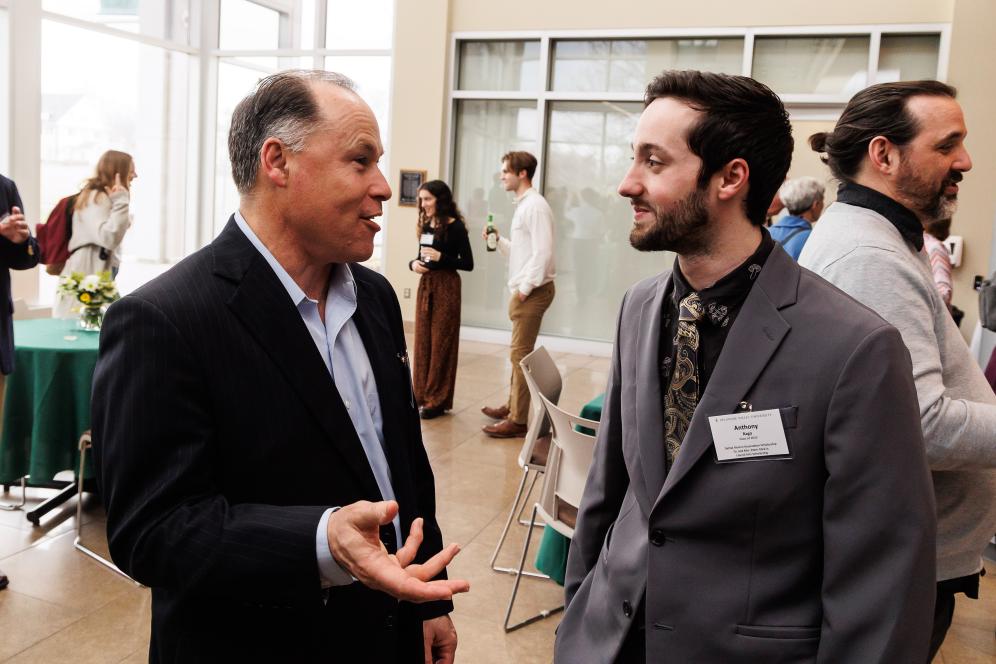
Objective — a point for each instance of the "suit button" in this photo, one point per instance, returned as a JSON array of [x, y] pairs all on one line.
[[389, 621], [627, 609], [657, 537]]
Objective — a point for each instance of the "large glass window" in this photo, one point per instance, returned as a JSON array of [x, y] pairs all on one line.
[[487, 130], [835, 65], [499, 65], [245, 25], [587, 156], [138, 105], [154, 18], [628, 65], [359, 25], [908, 57]]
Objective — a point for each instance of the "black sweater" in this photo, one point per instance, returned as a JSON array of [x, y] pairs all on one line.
[[454, 249]]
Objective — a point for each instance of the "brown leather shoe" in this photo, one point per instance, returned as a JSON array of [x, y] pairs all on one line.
[[505, 429], [496, 413]]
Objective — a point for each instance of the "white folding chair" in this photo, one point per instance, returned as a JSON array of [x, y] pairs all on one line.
[[563, 486], [86, 443], [542, 378]]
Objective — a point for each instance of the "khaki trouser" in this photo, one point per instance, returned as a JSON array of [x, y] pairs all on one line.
[[526, 319]]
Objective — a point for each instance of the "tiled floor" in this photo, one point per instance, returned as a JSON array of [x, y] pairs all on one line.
[[62, 606]]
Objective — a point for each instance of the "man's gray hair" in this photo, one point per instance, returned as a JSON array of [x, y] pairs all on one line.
[[283, 107], [799, 194]]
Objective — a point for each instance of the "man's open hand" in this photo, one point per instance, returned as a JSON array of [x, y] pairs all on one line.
[[13, 227], [354, 540]]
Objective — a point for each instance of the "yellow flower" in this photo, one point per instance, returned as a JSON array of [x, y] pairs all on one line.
[[85, 298]]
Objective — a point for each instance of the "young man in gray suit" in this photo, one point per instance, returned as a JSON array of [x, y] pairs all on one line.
[[759, 492], [898, 150]]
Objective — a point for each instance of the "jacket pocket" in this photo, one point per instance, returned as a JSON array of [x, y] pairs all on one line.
[[774, 632], [790, 416]]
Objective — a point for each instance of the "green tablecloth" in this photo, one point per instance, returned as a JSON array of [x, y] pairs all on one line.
[[551, 559], [47, 399]]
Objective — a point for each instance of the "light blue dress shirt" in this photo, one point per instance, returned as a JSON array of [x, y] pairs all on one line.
[[341, 347]]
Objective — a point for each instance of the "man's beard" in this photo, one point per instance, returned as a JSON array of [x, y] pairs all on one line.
[[930, 203], [683, 228]]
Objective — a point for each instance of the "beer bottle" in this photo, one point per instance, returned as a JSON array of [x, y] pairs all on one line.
[[492, 239]]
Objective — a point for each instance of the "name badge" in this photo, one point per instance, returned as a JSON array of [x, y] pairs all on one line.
[[745, 436], [425, 240]]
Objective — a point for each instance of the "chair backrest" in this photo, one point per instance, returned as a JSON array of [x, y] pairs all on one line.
[[23, 312], [542, 378], [570, 460]]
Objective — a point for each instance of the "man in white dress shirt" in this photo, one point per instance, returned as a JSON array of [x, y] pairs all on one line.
[[530, 279]]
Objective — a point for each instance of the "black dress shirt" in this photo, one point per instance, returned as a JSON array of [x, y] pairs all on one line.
[[722, 302], [902, 218], [454, 247]]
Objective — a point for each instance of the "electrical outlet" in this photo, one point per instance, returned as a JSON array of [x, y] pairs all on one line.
[[408, 293]]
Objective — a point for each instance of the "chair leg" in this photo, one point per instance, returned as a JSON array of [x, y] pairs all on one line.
[[522, 520], [515, 587], [84, 445], [511, 515], [10, 507]]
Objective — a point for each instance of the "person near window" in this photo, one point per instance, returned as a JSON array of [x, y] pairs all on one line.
[[18, 251], [803, 198], [444, 248], [531, 270], [100, 220], [247, 394], [899, 151]]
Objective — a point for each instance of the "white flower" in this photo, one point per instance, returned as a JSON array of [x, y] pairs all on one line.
[[90, 283]]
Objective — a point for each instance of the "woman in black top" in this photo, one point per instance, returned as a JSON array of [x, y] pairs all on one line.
[[444, 248]]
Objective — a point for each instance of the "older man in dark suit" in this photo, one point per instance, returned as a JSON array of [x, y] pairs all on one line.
[[261, 384], [18, 251], [759, 491]]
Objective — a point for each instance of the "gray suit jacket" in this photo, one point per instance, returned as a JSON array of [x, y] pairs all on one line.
[[824, 557]]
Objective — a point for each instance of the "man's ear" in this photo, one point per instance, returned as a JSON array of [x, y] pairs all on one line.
[[273, 161], [883, 155], [732, 179]]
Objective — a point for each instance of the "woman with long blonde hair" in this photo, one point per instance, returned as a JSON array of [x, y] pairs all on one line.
[[101, 218]]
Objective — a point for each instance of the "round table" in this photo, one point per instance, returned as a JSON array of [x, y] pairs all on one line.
[[47, 399]]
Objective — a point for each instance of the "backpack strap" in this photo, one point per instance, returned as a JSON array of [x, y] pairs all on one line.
[[795, 231]]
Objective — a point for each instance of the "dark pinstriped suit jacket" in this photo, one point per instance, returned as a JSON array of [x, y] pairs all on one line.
[[220, 439], [22, 256]]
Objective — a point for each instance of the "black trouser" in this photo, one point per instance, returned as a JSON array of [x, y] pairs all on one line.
[[944, 607]]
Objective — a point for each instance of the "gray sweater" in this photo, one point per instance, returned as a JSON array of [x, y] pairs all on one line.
[[862, 253]]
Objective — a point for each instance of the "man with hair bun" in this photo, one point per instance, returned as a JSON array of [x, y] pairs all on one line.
[[803, 197], [899, 152]]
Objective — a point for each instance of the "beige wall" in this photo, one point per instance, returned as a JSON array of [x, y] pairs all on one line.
[[418, 118], [971, 72]]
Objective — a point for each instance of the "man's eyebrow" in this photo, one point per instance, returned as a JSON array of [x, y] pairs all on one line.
[[365, 145], [954, 135], [644, 148]]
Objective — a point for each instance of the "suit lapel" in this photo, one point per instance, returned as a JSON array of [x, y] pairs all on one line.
[[753, 340], [261, 303], [649, 411], [389, 370]]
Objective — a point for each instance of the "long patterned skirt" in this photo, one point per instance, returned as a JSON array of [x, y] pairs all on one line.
[[437, 338]]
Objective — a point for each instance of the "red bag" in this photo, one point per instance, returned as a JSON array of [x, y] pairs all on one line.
[[53, 236]]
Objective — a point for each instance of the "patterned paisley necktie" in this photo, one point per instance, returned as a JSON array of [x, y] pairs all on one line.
[[683, 392]]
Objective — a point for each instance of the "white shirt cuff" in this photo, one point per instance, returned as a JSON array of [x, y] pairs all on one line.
[[331, 573]]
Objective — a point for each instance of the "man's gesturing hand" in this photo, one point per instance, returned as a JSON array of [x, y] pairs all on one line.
[[13, 227], [354, 540]]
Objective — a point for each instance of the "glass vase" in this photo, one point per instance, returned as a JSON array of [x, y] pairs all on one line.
[[91, 317]]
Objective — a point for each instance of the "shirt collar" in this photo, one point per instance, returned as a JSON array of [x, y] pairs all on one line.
[[901, 217], [340, 280], [719, 299], [792, 221], [527, 192]]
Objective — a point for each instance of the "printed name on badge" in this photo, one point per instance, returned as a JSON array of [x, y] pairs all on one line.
[[745, 436]]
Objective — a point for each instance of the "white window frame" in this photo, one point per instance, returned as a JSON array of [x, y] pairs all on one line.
[[800, 106]]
